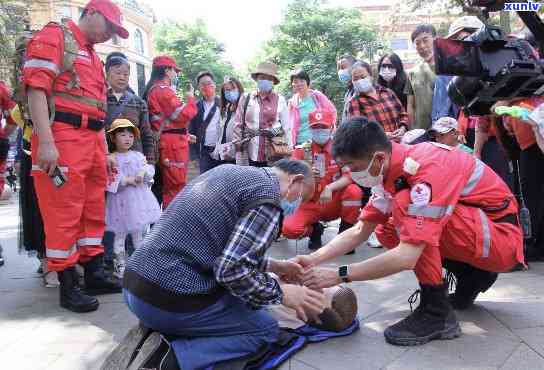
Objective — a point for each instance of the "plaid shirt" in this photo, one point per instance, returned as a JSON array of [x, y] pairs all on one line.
[[241, 268], [387, 110], [136, 112]]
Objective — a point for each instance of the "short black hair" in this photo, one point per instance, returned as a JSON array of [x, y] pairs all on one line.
[[204, 74], [350, 58], [116, 59], [300, 74], [359, 138], [294, 167], [364, 65], [423, 28]]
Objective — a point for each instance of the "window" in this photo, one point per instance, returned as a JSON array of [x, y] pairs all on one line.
[[139, 42], [400, 44], [140, 73]]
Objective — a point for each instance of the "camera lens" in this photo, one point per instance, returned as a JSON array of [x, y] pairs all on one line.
[[462, 90]]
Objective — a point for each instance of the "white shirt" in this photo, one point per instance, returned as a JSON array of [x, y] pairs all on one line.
[[210, 137]]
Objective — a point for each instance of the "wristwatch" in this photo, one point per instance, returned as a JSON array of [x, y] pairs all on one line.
[[343, 273]]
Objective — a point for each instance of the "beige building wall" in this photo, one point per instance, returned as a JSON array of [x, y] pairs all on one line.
[[138, 19]]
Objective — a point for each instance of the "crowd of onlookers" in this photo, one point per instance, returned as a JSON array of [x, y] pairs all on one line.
[[228, 124]]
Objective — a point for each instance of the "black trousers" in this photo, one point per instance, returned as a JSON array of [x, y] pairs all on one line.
[[532, 185], [494, 156]]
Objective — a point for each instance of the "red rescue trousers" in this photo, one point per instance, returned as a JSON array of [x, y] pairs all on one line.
[[174, 157], [345, 204], [73, 215], [469, 237]]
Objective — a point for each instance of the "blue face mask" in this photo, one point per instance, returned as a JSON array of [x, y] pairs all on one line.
[[232, 96], [174, 82], [344, 75], [290, 207], [265, 85], [321, 136]]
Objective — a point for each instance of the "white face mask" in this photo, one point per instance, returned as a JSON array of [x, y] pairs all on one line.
[[388, 74], [365, 179], [364, 85]]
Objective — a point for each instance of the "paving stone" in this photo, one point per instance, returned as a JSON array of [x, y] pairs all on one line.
[[533, 337], [524, 358]]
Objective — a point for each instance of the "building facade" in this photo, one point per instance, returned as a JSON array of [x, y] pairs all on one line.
[[138, 19]]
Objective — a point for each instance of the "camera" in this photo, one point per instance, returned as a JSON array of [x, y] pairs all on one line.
[[489, 66]]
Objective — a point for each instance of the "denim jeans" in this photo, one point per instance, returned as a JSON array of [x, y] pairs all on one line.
[[223, 331]]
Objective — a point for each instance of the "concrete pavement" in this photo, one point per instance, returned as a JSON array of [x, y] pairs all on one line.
[[503, 331]]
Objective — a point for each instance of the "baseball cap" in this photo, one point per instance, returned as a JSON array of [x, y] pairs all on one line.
[[321, 117], [444, 125], [111, 12], [122, 123], [468, 22], [166, 61]]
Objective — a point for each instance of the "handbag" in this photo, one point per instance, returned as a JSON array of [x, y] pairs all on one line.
[[279, 147]]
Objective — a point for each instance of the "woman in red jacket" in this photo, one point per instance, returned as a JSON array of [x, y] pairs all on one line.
[[169, 118]]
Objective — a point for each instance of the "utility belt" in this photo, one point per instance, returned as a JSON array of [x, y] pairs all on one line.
[[178, 131], [76, 120]]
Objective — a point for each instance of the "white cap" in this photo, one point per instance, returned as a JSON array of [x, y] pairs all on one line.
[[412, 135], [468, 22], [444, 125]]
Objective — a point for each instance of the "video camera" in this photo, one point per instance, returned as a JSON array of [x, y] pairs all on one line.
[[488, 66]]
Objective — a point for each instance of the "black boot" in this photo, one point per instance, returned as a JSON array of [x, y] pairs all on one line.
[[471, 281], [315, 237], [96, 281], [434, 318], [343, 227], [71, 296]]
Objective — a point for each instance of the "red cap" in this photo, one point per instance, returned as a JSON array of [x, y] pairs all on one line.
[[111, 12], [321, 117], [165, 61]]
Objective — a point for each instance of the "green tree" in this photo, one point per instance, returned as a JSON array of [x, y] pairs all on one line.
[[13, 19], [194, 49], [311, 36]]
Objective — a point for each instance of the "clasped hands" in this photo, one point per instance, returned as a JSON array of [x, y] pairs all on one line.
[[302, 285]]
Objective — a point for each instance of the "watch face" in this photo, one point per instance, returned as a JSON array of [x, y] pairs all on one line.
[[343, 271]]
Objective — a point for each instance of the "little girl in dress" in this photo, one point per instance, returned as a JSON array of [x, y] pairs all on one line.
[[130, 205]]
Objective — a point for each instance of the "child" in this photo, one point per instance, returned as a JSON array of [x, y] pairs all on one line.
[[130, 205]]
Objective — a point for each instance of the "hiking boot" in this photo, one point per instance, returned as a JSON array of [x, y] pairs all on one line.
[[343, 227], [471, 281], [71, 296], [96, 281], [434, 318], [315, 237]]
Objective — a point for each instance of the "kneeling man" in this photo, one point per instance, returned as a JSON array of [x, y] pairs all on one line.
[[439, 203], [201, 274]]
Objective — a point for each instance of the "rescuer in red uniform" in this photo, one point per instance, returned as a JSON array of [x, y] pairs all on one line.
[[336, 195], [69, 154], [442, 203], [169, 119]]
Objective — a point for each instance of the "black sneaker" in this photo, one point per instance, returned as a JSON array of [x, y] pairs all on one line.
[[434, 318]]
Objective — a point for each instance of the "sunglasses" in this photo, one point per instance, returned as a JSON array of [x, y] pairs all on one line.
[[385, 65]]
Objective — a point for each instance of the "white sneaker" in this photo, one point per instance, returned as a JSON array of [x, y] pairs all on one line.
[[51, 279], [373, 241]]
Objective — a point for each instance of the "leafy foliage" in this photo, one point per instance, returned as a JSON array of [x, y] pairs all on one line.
[[194, 49], [311, 36]]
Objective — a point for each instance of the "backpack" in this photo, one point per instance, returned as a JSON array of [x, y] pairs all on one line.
[[71, 50]]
